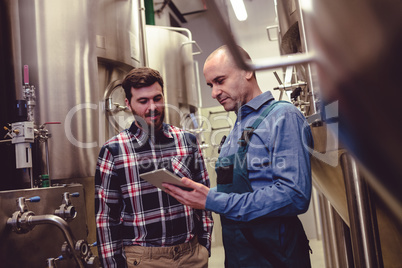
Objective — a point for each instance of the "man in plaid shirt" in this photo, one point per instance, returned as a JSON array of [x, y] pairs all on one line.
[[137, 223]]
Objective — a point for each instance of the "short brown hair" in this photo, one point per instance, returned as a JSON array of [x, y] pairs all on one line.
[[140, 77]]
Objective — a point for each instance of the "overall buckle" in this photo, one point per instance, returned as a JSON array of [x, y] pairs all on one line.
[[246, 136]]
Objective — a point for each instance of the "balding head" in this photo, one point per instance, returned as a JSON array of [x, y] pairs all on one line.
[[231, 86], [225, 54]]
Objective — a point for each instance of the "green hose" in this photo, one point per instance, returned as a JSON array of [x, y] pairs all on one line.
[[149, 12]]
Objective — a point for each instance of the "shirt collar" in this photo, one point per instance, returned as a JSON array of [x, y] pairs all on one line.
[[255, 103], [140, 134]]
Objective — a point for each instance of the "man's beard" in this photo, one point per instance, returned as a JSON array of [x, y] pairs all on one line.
[[150, 127]]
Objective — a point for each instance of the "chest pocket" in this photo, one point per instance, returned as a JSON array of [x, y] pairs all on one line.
[[258, 155]]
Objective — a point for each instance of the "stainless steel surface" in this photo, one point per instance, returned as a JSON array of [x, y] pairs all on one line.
[[62, 63], [342, 241], [336, 239], [364, 230], [44, 241], [331, 217], [143, 32], [63, 226], [67, 46], [331, 179], [324, 229], [171, 53]]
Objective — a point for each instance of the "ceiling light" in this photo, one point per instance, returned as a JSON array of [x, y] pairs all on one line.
[[239, 9]]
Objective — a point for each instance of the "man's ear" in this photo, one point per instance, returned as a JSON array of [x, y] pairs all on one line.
[[127, 104], [249, 75]]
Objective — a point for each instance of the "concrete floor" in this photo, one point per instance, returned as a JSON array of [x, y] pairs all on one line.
[[317, 258]]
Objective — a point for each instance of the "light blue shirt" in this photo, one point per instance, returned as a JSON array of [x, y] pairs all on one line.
[[278, 164]]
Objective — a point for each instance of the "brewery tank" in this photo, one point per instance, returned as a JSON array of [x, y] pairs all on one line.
[[73, 49]]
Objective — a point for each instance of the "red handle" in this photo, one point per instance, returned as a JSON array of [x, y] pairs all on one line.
[[26, 74]]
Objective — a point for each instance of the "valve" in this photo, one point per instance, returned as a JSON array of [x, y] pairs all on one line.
[[51, 262], [19, 219], [22, 202], [66, 251], [66, 211], [42, 133], [82, 249]]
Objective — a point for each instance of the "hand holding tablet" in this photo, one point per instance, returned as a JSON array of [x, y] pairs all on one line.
[[159, 176]]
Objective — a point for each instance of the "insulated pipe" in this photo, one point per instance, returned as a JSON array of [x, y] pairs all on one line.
[[63, 226]]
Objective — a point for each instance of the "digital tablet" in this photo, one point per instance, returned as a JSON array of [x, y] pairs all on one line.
[[159, 176]]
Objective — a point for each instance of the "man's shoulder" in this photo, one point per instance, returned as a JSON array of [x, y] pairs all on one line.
[[285, 107], [117, 139]]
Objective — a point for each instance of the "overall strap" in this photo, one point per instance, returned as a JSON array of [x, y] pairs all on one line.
[[248, 131]]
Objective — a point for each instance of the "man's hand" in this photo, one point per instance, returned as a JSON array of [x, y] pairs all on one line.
[[195, 198]]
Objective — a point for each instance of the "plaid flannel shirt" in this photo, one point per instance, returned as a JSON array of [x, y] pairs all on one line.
[[131, 211]]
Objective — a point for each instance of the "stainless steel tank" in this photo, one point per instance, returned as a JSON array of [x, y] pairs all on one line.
[[74, 50], [170, 50], [78, 52]]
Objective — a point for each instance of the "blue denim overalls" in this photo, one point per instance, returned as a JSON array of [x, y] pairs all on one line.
[[265, 241]]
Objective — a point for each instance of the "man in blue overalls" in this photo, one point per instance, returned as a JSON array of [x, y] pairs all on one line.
[[263, 172]]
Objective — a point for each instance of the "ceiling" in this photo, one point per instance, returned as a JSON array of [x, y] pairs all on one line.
[[187, 7]]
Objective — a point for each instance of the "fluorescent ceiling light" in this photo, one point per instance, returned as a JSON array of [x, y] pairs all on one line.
[[239, 9]]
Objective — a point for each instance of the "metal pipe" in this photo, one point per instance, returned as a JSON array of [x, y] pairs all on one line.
[[328, 254], [342, 241], [362, 217], [309, 71], [189, 35], [31, 178], [143, 33], [47, 161], [198, 83], [332, 235], [63, 226]]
